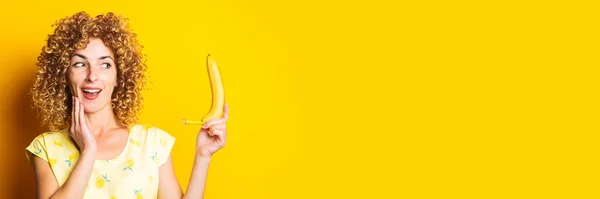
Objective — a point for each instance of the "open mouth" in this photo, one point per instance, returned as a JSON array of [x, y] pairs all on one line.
[[91, 93]]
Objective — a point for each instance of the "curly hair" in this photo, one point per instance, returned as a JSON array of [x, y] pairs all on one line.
[[50, 93]]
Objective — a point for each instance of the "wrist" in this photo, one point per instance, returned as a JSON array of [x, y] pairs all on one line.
[[203, 158], [88, 152]]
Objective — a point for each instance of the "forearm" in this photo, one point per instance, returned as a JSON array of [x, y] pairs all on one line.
[[77, 182], [197, 182]]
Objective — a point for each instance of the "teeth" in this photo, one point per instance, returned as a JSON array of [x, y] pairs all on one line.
[[91, 90]]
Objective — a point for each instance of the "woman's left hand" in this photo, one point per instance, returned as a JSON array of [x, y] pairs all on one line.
[[212, 135]]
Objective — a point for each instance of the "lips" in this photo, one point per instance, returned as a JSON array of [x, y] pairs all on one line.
[[90, 93]]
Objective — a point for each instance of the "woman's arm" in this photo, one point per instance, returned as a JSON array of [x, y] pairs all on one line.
[[168, 186], [74, 187], [45, 181], [198, 179], [76, 183], [211, 138]]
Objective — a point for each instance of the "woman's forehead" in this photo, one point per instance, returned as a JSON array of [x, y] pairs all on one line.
[[95, 49]]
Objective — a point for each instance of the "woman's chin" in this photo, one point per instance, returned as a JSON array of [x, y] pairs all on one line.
[[90, 110]]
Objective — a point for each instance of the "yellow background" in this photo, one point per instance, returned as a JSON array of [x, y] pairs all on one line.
[[351, 99]]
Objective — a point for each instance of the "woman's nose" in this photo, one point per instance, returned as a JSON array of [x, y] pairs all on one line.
[[91, 77]]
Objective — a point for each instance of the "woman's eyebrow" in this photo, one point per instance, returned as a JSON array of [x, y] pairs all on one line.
[[80, 55], [104, 57]]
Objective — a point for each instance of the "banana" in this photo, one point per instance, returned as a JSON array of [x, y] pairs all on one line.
[[218, 93]]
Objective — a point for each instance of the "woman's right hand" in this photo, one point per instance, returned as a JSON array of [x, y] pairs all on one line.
[[79, 130]]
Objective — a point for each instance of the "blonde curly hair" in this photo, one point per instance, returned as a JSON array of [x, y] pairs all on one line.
[[50, 93]]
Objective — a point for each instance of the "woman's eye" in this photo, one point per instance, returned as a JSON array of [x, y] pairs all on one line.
[[106, 65], [78, 64]]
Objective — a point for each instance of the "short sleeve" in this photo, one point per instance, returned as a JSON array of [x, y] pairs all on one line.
[[164, 144], [37, 148]]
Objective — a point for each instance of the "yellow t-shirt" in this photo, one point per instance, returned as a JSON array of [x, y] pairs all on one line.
[[132, 174]]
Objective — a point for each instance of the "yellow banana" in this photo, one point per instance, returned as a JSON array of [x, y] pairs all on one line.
[[218, 93]]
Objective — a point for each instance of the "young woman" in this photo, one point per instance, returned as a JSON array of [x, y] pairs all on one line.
[[88, 92]]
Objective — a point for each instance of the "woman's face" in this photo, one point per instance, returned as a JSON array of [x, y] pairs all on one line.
[[92, 76]]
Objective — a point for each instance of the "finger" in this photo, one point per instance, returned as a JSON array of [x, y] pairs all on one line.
[[225, 112], [211, 132], [219, 127], [76, 113], [211, 123], [221, 137], [71, 129], [82, 121]]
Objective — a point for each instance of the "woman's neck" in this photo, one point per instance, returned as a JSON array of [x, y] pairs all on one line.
[[101, 121]]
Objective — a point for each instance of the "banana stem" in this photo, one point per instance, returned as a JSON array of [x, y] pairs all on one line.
[[193, 122]]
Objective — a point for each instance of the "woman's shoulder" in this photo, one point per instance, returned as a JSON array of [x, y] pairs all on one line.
[[148, 129], [52, 136], [153, 139], [50, 144], [150, 132]]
